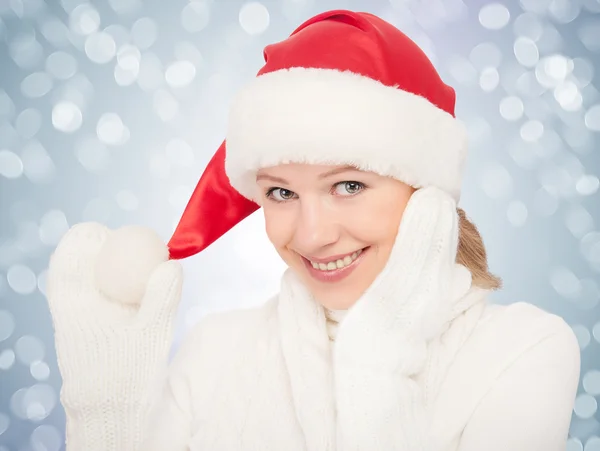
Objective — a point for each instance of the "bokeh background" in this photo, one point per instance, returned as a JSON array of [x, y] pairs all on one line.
[[110, 110]]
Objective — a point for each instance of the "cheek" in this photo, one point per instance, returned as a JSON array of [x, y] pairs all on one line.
[[378, 222], [394, 218], [398, 197], [279, 225]]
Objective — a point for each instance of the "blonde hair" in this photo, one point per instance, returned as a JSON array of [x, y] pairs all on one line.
[[471, 254]]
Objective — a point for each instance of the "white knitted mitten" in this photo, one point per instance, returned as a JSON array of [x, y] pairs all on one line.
[[112, 355], [382, 343]]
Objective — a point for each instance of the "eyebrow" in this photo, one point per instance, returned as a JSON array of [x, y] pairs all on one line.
[[324, 175], [336, 171], [272, 178]]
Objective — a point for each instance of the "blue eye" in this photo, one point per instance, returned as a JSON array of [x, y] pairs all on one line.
[[349, 188], [280, 194]]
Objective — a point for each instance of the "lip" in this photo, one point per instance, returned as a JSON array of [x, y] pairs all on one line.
[[337, 274]]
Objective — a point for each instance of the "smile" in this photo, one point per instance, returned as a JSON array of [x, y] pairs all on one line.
[[338, 263], [337, 268]]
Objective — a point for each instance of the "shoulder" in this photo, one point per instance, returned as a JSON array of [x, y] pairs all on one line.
[[517, 338], [219, 334], [521, 327], [211, 349], [514, 351], [231, 324], [524, 398], [506, 334]]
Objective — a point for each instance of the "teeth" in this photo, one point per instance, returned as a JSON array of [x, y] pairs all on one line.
[[337, 264]]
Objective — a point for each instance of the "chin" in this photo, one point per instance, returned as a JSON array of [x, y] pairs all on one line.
[[336, 305], [334, 299], [334, 296]]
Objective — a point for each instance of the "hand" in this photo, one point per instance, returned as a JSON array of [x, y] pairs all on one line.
[[412, 297], [382, 343], [109, 352]]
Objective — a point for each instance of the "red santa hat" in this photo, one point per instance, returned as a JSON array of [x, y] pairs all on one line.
[[344, 88]]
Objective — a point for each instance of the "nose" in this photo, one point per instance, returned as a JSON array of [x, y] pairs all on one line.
[[317, 226]]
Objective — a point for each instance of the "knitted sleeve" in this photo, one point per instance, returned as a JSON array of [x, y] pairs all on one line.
[[162, 423], [529, 407]]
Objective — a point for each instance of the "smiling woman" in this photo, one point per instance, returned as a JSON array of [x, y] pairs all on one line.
[[357, 164], [340, 214]]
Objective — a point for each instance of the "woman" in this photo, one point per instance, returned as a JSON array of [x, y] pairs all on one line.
[[381, 337]]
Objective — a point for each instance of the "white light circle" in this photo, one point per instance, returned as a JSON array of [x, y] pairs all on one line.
[[254, 18], [100, 47], [66, 117], [494, 16], [180, 74]]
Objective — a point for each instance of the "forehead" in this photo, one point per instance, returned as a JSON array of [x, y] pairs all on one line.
[[292, 170]]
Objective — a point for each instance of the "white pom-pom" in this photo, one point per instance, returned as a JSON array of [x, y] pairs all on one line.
[[125, 262]]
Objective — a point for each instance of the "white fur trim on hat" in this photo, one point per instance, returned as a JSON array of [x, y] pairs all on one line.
[[324, 116]]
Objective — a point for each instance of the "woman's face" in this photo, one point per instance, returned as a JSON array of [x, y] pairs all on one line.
[[335, 226]]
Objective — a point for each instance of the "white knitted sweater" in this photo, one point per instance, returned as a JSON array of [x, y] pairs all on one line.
[[420, 362]]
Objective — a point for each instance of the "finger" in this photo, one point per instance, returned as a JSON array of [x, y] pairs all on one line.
[[417, 230], [442, 245], [163, 293], [445, 238], [76, 252], [71, 265]]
